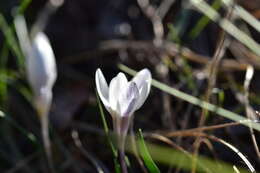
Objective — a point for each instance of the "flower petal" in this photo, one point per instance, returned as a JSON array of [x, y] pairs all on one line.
[[102, 87], [143, 95], [128, 99], [116, 87], [143, 81]]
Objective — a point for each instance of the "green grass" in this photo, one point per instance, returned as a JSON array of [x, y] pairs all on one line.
[[169, 156]]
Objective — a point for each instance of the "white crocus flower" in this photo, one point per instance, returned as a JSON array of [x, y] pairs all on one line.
[[39, 63], [122, 98], [41, 72]]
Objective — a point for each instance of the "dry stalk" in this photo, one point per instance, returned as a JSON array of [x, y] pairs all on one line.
[[168, 141], [249, 110], [213, 70], [216, 139]]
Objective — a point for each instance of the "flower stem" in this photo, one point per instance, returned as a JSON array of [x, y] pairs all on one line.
[[122, 160], [121, 151], [46, 141]]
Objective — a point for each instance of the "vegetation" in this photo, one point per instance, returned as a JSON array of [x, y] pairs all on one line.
[[198, 113]]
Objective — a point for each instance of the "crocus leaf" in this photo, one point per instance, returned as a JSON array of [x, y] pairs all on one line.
[[148, 161]]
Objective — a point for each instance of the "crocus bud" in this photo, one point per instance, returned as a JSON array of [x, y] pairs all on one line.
[[39, 63], [122, 98], [41, 71]]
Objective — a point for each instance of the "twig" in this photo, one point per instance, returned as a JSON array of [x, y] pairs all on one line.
[[170, 48], [249, 110], [99, 166], [214, 64], [164, 7], [213, 70], [214, 138], [197, 145], [243, 99], [162, 69], [166, 140], [243, 54], [206, 128], [156, 20], [188, 133], [22, 163]]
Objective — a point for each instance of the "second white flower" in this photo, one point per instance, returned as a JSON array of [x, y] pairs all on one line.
[[121, 98]]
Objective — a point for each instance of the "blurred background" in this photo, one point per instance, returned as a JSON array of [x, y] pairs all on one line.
[[205, 57]]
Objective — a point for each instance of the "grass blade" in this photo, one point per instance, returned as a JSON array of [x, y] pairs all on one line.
[[243, 14], [11, 40], [196, 101], [203, 22], [148, 161], [169, 156], [226, 25], [23, 6], [106, 129]]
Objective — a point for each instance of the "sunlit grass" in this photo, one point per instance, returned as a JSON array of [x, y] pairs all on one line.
[[169, 156], [227, 25], [196, 101]]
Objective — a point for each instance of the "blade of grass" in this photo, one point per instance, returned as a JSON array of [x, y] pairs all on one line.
[[95, 162], [225, 24], [3, 85], [11, 40], [169, 156], [3, 94], [106, 129], [10, 78], [13, 123], [247, 17], [173, 34], [4, 55], [152, 167], [23, 6], [204, 21], [243, 14], [196, 101], [117, 166]]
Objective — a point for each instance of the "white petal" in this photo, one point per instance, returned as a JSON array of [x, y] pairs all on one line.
[[40, 64], [143, 95], [116, 86], [128, 99], [143, 81], [142, 77], [102, 87]]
